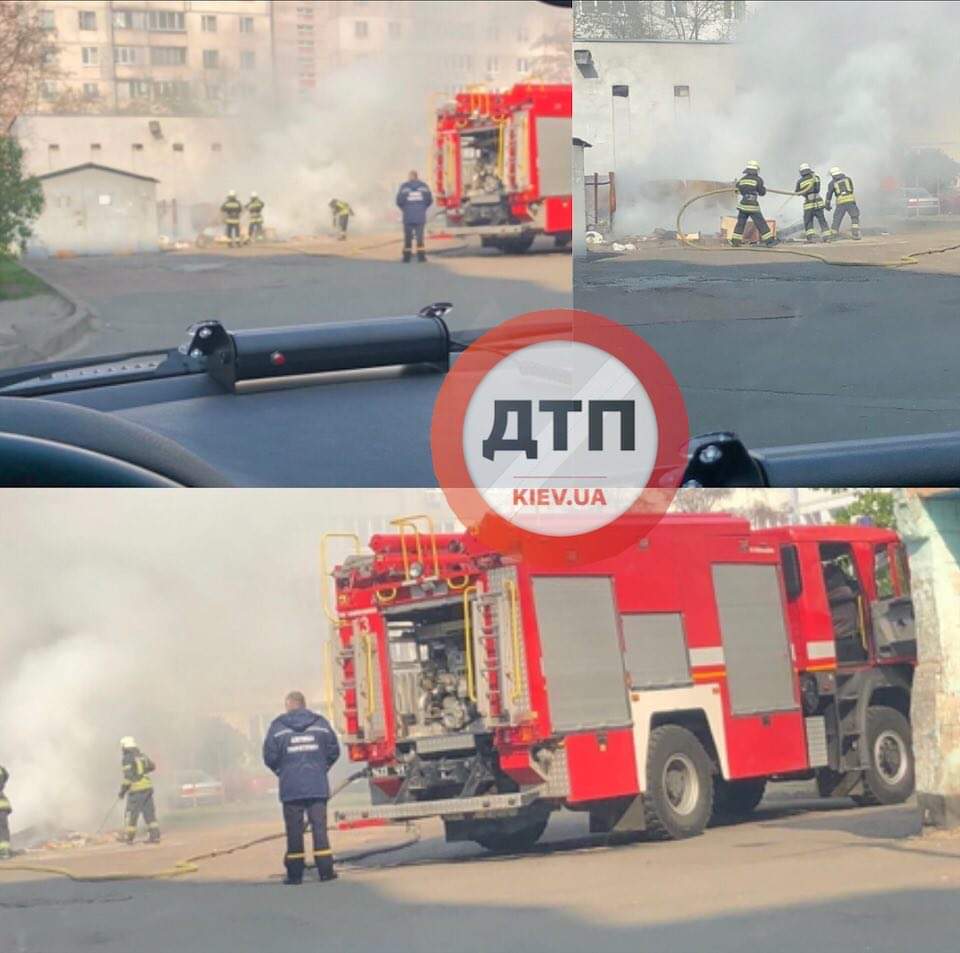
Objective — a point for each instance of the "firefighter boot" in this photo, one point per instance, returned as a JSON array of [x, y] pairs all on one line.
[[421, 255], [154, 837], [855, 229], [324, 862], [406, 255], [294, 864]]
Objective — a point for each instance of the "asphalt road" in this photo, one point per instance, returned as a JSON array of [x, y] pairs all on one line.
[[146, 301], [786, 351], [802, 875]]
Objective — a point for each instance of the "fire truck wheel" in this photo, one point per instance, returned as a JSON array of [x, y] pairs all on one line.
[[889, 779], [515, 246], [679, 797], [514, 841], [736, 799]]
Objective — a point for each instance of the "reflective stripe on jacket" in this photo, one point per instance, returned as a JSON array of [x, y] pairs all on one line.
[[842, 187], [135, 771], [255, 208], [232, 210], [809, 187], [750, 186]]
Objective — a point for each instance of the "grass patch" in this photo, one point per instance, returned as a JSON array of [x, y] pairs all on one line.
[[17, 282]]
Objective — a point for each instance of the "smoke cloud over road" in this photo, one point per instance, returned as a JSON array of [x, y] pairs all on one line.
[[829, 83]]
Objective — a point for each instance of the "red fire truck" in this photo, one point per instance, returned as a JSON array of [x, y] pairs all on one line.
[[501, 166], [656, 690]]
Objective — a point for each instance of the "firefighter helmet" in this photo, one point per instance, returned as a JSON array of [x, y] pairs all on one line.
[[232, 194], [836, 170], [804, 166], [753, 164], [127, 742], [253, 195]]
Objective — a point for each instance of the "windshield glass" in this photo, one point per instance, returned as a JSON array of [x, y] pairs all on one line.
[[245, 166]]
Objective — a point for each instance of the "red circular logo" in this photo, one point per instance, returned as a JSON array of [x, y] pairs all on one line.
[[561, 435]]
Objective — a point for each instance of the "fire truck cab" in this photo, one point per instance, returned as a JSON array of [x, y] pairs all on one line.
[[501, 165], [656, 690]]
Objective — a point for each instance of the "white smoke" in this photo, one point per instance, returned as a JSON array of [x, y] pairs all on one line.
[[127, 612], [830, 83]]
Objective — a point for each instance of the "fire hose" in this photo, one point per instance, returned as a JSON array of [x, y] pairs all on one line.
[[190, 865], [903, 260]]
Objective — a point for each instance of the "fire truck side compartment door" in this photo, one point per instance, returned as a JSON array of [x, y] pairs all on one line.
[[581, 649], [655, 649], [756, 648], [554, 156], [366, 666]]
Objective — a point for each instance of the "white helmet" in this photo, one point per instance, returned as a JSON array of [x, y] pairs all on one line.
[[232, 193], [253, 195], [836, 170], [127, 742], [804, 166], [753, 164]]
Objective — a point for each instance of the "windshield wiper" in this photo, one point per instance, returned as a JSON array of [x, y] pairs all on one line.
[[234, 357]]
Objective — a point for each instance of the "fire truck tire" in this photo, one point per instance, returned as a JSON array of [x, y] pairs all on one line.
[[678, 801], [736, 799], [513, 842], [515, 246], [890, 777]]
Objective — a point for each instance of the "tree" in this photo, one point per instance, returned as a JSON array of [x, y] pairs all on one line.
[[551, 62], [21, 198], [657, 20], [875, 505], [700, 501], [27, 58]]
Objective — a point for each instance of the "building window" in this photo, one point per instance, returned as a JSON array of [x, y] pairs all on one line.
[[360, 29], [493, 64], [137, 147], [681, 92], [622, 91], [675, 8], [523, 65], [130, 20], [91, 91], [304, 29], [171, 89], [208, 23], [248, 59], [211, 59], [166, 21], [95, 147], [168, 55], [394, 29], [178, 147], [246, 24], [125, 55], [304, 11], [135, 88], [90, 55], [216, 147], [212, 91], [47, 20], [48, 91], [87, 20]]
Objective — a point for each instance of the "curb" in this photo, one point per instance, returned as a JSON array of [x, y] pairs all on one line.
[[56, 337]]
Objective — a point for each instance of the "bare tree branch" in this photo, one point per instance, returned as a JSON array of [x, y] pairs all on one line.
[[28, 58]]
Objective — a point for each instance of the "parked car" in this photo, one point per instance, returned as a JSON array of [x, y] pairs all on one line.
[[249, 786], [192, 788], [919, 202]]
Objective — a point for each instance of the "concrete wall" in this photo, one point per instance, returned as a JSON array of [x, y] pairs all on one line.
[[930, 523], [91, 212], [651, 70]]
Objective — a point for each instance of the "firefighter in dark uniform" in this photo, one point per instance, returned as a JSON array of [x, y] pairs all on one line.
[[232, 209], [341, 212], [750, 187], [138, 790], [5, 811], [840, 188], [808, 185], [413, 199], [300, 748], [255, 217]]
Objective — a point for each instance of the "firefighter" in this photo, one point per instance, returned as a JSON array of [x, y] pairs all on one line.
[[138, 790], [255, 214], [414, 199], [5, 812], [232, 209], [750, 187], [808, 185], [341, 212], [841, 188], [300, 748]]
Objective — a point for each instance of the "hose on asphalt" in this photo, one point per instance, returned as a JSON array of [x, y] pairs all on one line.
[[190, 865], [903, 260]]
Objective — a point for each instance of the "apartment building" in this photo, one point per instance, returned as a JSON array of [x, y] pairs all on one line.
[[186, 57], [456, 44]]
